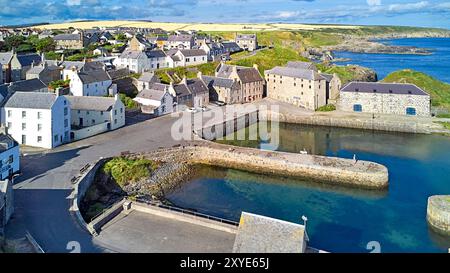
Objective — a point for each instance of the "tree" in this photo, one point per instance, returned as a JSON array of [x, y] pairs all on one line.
[[14, 41], [45, 45], [121, 37]]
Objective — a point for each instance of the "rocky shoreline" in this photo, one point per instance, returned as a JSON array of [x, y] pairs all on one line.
[[369, 46]]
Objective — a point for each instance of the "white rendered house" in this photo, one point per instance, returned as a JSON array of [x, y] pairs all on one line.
[[92, 83], [37, 119]]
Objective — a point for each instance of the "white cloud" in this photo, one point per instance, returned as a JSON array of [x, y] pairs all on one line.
[[287, 14], [408, 7], [374, 2], [73, 2]]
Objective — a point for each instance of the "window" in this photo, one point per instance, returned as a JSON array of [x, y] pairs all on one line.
[[9, 113], [24, 126], [11, 159], [66, 123], [357, 108], [121, 110], [78, 111], [39, 115], [66, 110], [115, 112], [39, 127], [55, 138], [115, 121], [9, 125], [24, 114], [39, 139], [87, 112], [411, 111], [101, 113], [24, 139], [93, 121]]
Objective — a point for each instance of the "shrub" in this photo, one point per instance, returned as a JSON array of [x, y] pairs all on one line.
[[327, 108], [125, 170]]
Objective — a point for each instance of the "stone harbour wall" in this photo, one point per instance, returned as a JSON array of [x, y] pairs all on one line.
[[438, 213], [363, 123], [329, 169]]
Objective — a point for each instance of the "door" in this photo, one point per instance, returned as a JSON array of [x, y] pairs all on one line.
[[81, 122]]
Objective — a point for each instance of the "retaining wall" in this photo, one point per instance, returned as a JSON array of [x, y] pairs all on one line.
[[80, 189], [228, 126], [364, 123]]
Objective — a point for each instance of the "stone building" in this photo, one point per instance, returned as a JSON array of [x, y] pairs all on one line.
[[182, 41], [155, 99], [247, 41], [384, 98], [190, 93], [300, 87], [70, 41], [21, 63], [5, 65], [44, 72], [222, 89], [301, 84], [249, 79]]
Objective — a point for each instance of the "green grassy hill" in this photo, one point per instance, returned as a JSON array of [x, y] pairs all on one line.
[[439, 91]]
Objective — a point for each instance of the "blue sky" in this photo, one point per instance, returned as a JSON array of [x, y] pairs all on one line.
[[368, 12]]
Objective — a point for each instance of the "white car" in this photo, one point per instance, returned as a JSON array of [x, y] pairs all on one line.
[[191, 110]]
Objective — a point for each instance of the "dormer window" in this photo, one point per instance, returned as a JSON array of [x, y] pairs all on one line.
[[409, 92]]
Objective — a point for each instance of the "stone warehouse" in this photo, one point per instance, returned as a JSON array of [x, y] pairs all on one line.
[[385, 98]]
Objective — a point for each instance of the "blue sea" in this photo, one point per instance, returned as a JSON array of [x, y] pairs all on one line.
[[437, 64]]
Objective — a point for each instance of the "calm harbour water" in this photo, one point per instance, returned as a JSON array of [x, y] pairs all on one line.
[[436, 64], [341, 219]]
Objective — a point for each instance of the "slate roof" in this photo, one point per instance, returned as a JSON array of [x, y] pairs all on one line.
[[261, 234], [246, 37], [302, 65], [307, 74], [5, 57], [384, 88], [193, 52], [230, 45], [155, 54], [37, 69], [152, 94], [327, 77], [193, 86], [92, 103], [4, 90], [93, 76], [31, 100], [179, 38], [216, 81], [6, 142], [65, 37], [245, 74], [132, 54], [28, 59], [28, 85]]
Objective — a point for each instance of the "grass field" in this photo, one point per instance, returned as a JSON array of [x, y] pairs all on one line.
[[439, 91]]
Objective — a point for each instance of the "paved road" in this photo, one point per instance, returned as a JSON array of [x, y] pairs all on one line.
[[43, 192]]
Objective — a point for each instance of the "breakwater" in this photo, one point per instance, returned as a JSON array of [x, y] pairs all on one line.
[[334, 170]]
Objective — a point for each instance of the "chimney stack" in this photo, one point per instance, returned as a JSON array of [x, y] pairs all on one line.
[[184, 80], [199, 74]]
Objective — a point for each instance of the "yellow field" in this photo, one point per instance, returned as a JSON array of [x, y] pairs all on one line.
[[193, 26]]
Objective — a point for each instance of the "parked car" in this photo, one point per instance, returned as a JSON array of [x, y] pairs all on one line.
[[192, 110]]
